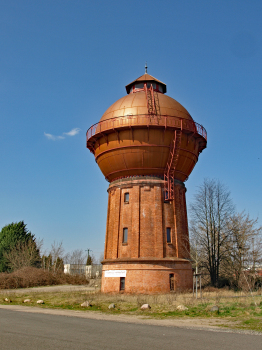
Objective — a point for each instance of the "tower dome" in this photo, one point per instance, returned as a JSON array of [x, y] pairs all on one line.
[[136, 134], [136, 103]]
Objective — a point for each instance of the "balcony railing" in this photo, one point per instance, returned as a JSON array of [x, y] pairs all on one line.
[[146, 120]]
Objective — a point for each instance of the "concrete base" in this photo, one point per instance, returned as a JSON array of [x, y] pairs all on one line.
[[148, 276]]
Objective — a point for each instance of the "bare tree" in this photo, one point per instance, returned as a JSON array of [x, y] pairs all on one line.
[[196, 254], [47, 263], [244, 249], [76, 257], [57, 254], [210, 213], [22, 255], [39, 243], [101, 257]]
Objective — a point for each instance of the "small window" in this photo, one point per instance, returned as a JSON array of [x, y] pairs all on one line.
[[165, 197], [125, 234], [153, 84], [139, 86], [160, 88], [168, 235], [122, 283], [126, 197]]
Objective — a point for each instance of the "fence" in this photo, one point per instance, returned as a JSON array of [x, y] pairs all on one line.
[[90, 271], [137, 120]]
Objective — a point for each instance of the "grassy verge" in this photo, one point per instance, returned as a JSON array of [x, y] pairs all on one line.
[[236, 310]]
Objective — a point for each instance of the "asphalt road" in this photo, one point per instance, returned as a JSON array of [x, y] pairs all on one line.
[[23, 330]]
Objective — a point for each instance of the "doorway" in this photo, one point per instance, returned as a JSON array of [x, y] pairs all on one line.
[[122, 283], [171, 282]]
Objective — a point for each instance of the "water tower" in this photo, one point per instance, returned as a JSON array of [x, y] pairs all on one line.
[[146, 145]]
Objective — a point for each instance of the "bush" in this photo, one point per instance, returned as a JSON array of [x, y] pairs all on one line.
[[34, 277]]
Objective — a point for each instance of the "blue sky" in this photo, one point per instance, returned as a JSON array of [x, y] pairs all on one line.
[[63, 63]]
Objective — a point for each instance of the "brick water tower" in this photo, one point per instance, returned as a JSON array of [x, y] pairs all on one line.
[[146, 145]]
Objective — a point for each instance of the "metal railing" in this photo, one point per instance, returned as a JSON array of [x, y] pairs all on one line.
[[146, 120]]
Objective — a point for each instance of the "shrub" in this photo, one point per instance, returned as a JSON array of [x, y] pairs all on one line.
[[34, 277]]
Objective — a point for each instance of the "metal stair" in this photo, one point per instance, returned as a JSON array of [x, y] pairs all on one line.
[[171, 166], [153, 105], [150, 100]]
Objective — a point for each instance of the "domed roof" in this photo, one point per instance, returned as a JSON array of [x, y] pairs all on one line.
[[136, 103]]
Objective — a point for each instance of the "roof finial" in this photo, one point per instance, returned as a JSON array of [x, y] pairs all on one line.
[[146, 68]]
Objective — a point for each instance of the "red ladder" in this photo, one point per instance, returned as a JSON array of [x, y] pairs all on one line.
[[152, 100], [171, 165]]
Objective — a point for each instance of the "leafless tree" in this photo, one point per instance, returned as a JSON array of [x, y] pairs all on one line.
[[47, 263], [210, 212], [39, 243], [22, 255], [244, 249], [76, 257], [101, 257], [57, 254], [195, 253]]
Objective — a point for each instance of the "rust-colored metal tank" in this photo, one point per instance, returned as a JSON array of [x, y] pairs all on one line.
[[146, 133]]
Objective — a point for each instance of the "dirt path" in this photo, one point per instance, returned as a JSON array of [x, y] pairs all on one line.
[[60, 288]]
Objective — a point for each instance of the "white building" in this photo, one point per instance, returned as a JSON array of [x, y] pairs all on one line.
[[90, 271]]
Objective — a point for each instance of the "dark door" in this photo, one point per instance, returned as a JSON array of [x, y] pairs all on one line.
[[171, 281], [122, 283]]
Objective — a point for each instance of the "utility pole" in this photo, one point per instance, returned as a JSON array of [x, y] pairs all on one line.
[[197, 279], [88, 250], [253, 254]]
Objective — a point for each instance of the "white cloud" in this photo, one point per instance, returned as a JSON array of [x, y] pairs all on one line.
[[50, 137], [73, 132]]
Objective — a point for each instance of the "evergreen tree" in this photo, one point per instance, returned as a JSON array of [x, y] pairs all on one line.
[[12, 237], [89, 260]]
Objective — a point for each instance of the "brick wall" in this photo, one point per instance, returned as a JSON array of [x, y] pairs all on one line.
[[146, 216], [147, 278]]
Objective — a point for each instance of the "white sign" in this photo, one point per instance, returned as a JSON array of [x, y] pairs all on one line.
[[115, 273]]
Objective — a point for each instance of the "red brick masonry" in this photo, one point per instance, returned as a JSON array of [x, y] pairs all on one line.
[[147, 257]]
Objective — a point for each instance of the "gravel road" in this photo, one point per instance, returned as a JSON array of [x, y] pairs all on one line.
[[60, 288]]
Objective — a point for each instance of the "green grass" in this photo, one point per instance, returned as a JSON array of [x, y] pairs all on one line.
[[240, 313]]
